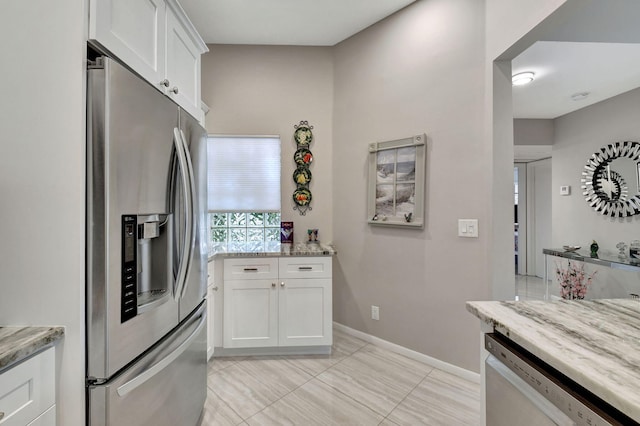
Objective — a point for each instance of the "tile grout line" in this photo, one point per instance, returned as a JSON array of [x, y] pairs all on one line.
[[347, 395], [312, 376], [224, 402], [298, 387], [408, 393]]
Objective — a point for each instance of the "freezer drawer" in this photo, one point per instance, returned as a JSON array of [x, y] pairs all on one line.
[[166, 387]]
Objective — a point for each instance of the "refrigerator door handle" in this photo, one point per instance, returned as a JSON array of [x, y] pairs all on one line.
[[181, 275], [162, 364], [193, 222]]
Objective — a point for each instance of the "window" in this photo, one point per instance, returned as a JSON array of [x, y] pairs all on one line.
[[251, 232], [244, 193]]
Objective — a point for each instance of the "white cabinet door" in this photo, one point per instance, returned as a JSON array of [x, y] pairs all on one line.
[[133, 31], [305, 313], [250, 313], [182, 66], [48, 418], [28, 390]]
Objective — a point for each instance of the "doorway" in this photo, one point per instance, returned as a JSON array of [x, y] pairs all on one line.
[[532, 225], [532, 214]]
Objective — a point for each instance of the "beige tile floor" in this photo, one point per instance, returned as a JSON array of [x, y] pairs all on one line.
[[358, 384]]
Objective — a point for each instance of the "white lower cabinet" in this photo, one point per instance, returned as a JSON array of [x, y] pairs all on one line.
[[277, 302], [304, 308], [27, 392]]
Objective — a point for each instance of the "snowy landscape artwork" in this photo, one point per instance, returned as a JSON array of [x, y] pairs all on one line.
[[395, 182]]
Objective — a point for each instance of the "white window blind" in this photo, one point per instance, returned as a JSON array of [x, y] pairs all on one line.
[[243, 173]]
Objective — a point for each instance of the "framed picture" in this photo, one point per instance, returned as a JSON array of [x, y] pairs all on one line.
[[396, 182]]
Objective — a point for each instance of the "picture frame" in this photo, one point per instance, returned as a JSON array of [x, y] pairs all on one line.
[[396, 182]]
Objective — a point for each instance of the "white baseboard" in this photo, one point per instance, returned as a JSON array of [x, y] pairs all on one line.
[[409, 353]]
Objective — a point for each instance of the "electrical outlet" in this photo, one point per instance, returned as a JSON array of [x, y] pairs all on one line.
[[375, 312]]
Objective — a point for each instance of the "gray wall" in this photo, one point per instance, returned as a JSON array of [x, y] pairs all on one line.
[[577, 136], [418, 71], [266, 90], [533, 131], [574, 138], [42, 181]]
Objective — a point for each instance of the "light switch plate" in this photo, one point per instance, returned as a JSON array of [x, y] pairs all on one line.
[[565, 190], [468, 228]]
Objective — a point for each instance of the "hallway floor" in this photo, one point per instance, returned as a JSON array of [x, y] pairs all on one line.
[[358, 384], [529, 288]]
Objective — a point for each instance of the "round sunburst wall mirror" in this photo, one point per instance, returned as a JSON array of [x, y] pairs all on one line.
[[611, 179]]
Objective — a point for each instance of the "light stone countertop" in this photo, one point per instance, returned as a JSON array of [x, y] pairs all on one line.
[[19, 343], [296, 249], [596, 343]]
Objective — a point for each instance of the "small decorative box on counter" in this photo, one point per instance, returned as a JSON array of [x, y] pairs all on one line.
[[286, 232]]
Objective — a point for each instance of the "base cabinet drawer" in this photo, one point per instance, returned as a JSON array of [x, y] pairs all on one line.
[[305, 267], [251, 269], [27, 391]]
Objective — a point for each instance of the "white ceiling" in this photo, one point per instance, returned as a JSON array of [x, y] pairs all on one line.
[[565, 68], [286, 22]]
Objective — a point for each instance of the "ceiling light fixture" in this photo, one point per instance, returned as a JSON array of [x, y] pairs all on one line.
[[580, 96], [522, 78]]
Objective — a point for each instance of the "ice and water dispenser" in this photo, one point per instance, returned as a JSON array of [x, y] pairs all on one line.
[[147, 278]]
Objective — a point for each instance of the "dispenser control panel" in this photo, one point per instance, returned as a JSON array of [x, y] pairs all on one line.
[[129, 305]]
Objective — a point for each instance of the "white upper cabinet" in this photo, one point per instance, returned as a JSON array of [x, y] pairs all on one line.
[[183, 63], [134, 31], [155, 39]]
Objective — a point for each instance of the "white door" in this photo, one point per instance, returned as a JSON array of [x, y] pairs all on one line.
[[250, 313], [305, 312], [539, 214]]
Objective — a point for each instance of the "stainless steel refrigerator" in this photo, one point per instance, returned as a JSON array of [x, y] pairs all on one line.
[[146, 254]]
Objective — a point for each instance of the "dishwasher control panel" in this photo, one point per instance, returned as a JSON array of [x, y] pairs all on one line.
[[582, 407]]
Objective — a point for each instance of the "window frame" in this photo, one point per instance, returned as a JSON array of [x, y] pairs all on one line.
[[416, 220]]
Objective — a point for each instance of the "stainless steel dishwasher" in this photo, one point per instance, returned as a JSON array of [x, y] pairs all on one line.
[[523, 390]]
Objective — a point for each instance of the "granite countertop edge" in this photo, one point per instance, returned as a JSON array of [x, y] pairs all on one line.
[[592, 342], [17, 343], [298, 250]]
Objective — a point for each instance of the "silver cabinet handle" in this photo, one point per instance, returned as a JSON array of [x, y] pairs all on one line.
[[250, 269], [165, 83], [174, 90], [282, 284], [305, 268]]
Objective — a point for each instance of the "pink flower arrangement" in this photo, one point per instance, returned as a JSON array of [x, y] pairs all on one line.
[[574, 282]]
